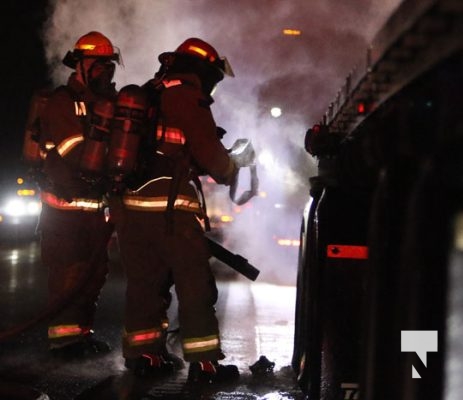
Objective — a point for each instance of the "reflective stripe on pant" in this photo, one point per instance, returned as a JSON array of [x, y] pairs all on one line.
[[201, 344], [153, 339], [153, 259], [72, 331]]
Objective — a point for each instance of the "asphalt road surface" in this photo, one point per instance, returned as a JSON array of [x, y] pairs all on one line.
[[257, 319]]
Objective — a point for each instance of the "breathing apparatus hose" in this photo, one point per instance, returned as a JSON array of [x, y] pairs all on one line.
[[57, 305]]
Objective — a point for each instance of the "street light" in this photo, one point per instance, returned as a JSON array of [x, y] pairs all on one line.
[[275, 112]]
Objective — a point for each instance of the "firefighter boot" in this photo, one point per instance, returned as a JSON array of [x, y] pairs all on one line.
[[211, 372], [149, 365], [87, 347], [177, 362]]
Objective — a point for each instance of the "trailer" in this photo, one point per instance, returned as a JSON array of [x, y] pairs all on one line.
[[379, 307]]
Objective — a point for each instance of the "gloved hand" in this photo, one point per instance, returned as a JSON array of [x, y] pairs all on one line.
[[248, 194], [65, 182], [117, 212], [243, 153]]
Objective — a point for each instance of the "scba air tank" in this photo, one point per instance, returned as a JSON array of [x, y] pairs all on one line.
[[128, 125], [31, 148], [96, 139]]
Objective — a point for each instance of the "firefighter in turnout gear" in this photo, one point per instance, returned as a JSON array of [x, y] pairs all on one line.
[[74, 232], [161, 239]]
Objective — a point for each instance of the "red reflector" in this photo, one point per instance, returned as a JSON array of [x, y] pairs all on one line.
[[347, 251], [361, 108]]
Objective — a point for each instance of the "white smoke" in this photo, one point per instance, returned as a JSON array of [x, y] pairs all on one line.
[[300, 74]]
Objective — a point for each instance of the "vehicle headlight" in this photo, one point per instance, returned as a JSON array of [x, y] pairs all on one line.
[[21, 207], [34, 207]]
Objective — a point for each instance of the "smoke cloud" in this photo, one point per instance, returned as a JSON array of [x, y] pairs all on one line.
[[300, 74]]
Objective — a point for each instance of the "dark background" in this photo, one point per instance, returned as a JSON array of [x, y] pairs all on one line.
[[24, 70]]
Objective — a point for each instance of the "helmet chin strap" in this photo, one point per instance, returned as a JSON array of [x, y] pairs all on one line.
[[83, 72]]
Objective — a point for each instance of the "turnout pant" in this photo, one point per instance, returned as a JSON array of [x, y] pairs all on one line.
[[154, 258], [74, 249]]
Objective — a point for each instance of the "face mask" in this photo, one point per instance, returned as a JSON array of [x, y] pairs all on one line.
[[100, 76]]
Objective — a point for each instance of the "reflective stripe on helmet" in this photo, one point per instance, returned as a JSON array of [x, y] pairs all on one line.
[[76, 203], [200, 51], [92, 45], [198, 48], [145, 336], [59, 331], [171, 135], [95, 44], [160, 203], [201, 344]]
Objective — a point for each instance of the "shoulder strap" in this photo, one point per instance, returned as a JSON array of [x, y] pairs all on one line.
[[71, 92]]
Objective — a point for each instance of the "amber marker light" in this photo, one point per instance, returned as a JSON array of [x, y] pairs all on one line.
[[292, 32]]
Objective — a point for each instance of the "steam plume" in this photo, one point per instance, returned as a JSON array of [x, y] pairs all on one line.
[[300, 74]]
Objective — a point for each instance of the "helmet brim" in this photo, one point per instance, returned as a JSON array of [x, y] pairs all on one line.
[[73, 57], [226, 67], [222, 64]]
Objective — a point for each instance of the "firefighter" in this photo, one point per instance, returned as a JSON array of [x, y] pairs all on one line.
[[161, 239], [74, 232]]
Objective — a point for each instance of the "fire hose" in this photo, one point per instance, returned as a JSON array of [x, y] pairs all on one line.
[[235, 261], [59, 303]]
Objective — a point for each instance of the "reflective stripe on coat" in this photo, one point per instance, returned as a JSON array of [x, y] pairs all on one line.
[[76, 203]]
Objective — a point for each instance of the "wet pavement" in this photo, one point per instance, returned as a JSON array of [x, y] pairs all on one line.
[[256, 318]]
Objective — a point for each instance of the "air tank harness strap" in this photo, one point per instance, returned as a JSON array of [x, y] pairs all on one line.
[[181, 171], [180, 166], [199, 187]]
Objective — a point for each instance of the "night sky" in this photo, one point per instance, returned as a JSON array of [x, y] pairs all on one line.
[[24, 71]]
